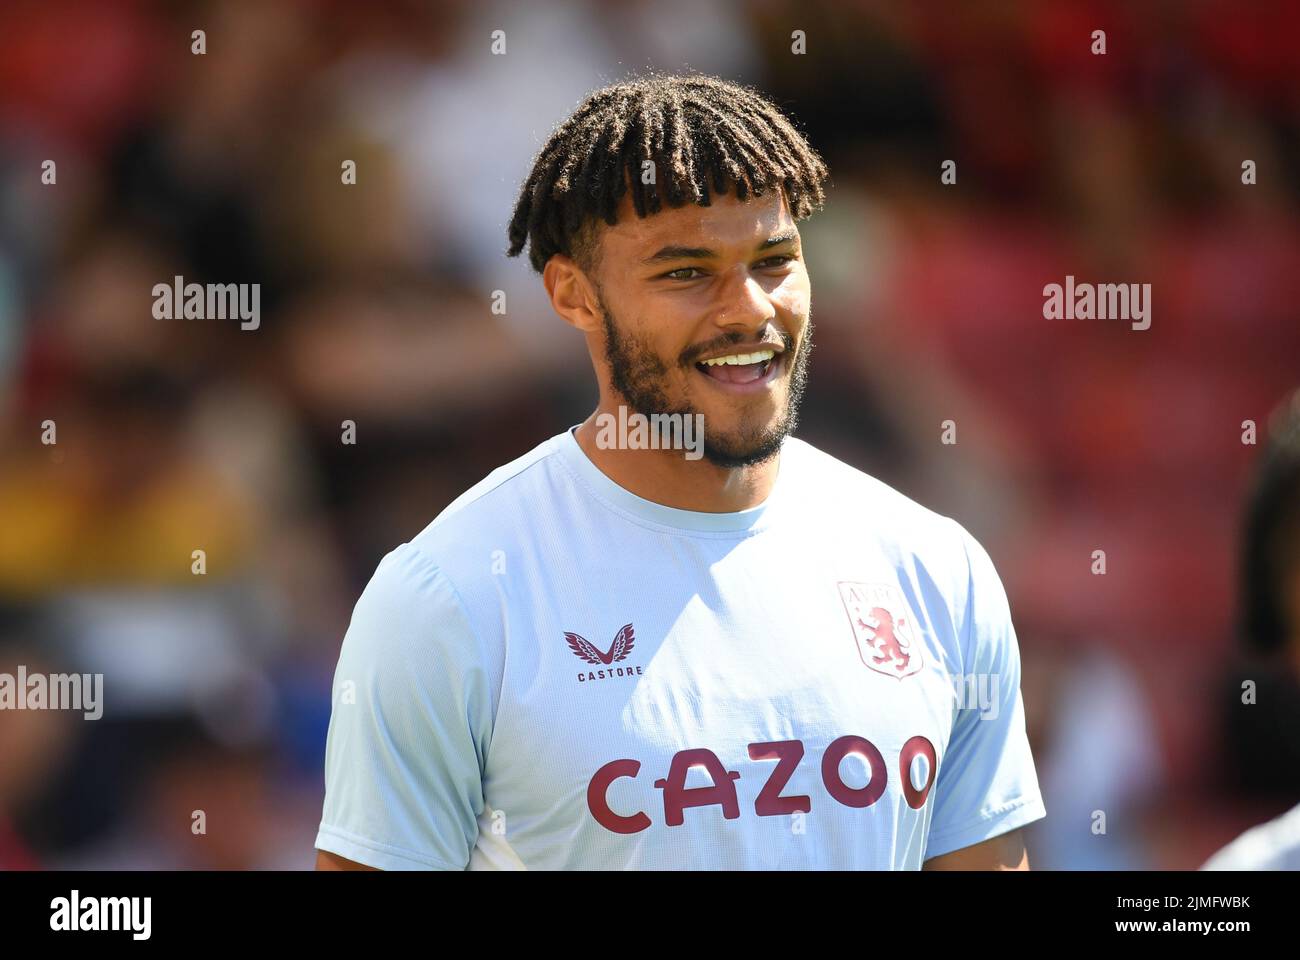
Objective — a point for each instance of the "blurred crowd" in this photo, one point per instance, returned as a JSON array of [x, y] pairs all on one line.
[[176, 436]]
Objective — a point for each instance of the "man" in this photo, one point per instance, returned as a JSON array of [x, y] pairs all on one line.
[[605, 656], [1262, 729]]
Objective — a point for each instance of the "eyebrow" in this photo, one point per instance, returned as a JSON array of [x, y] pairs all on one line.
[[678, 252]]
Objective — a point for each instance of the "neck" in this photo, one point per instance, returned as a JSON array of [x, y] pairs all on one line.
[[667, 477]]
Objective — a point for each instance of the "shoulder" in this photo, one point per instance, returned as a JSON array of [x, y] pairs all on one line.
[[1274, 845], [493, 512], [519, 480], [448, 566], [848, 497], [937, 550], [408, 600]]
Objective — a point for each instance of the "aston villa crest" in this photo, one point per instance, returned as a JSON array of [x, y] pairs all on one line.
[[883, 628]]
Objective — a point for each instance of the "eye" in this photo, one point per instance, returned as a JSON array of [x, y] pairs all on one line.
[[778, 261], [673, 274]]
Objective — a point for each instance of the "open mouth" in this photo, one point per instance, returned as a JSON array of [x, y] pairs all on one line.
[[741, 369]]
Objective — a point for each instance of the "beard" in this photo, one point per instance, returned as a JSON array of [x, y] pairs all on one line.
[[640, 376]]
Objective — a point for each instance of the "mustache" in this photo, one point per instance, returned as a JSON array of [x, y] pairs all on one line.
[[774, 338]]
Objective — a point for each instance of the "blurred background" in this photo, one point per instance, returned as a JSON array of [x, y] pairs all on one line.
[[177, 435]]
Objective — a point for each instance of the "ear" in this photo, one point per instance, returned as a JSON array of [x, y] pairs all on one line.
[[572, 295]]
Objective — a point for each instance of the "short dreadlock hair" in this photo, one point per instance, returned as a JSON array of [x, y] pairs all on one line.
[[699, 131]]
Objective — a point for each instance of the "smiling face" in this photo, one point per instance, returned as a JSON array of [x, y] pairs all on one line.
[[706, 310]]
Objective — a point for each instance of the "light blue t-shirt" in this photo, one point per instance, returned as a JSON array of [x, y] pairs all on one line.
[[559, 674]]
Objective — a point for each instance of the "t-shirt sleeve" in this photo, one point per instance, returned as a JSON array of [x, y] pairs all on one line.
[[410, 725], [986, 784]]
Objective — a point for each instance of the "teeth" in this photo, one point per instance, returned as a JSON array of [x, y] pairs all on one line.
[[741, 359]]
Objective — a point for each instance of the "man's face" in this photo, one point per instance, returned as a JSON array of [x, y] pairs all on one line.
[[693, 284]]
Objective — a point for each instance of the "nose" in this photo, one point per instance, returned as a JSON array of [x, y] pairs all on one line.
[[743, 304]]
